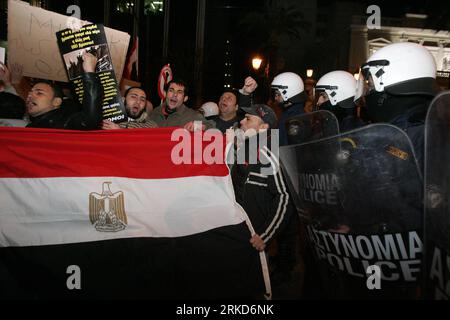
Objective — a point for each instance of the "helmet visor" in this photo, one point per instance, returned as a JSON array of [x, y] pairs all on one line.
[[364, 84], [277, 95]]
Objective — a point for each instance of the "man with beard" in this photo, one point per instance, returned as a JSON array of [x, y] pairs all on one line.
[[135, 104], [258, 182], [290, 94]]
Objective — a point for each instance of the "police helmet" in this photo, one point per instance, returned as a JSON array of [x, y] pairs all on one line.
[[403, 68], [289, 84], [209, 109], [339, 86]]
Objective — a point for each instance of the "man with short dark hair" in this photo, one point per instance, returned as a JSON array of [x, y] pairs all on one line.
[[228, 116], [135, 101], [45, 108]]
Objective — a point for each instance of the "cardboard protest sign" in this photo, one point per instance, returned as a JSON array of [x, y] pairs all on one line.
[[32, 46], [91, 39]]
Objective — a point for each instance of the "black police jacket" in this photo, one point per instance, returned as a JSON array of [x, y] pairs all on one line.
[[73, 116], [413, 123]]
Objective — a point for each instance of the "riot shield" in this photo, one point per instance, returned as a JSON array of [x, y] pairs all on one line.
[[437, 197], [359, 195], [311, 126]]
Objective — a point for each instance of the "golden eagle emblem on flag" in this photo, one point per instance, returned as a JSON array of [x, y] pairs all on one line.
[[107, 210]]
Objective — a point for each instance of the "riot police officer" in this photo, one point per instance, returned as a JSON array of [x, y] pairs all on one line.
[[290, 94], [335, 92]]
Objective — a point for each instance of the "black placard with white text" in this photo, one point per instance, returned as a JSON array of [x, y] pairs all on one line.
[[91, 38]]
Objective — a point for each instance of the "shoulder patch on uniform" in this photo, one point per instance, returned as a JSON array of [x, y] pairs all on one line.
[[396, 152]]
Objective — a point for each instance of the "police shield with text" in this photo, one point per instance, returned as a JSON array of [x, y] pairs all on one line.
[[437, 199], [359, 196]]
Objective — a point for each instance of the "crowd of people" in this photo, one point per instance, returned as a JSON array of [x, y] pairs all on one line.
[[396, 86]]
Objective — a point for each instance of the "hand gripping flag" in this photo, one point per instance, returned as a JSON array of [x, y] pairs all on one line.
[[114, 207]]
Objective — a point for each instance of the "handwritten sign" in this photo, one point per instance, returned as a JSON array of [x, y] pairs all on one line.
[[32, 42]]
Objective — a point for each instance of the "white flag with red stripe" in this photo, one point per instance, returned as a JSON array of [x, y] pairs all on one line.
[[114, 202]]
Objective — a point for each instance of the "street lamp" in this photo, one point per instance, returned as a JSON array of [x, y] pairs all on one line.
[[309, 89], [256, 63]]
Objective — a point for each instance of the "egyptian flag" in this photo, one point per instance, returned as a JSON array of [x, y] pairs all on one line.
[[114, 214]]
